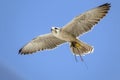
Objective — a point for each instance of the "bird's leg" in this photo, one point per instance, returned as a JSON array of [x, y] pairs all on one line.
[[76, 58], [81, 58], [83, 61]]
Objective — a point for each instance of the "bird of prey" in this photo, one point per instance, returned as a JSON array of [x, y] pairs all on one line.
[[69, 33]]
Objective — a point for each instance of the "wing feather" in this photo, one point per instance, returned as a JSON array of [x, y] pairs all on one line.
[[87, 20], [47, 41]]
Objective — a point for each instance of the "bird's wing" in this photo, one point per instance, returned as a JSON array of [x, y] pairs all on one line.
[[87, 20], [47, 41]]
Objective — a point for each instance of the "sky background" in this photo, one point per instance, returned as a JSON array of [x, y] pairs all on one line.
[[23, 20]]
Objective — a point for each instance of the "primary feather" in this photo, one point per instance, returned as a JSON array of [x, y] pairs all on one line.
[[47, 41], [87, 20]]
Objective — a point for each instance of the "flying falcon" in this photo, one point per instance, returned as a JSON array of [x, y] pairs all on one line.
[[69, 33]]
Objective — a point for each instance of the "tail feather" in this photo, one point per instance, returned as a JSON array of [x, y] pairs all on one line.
[[80, 48]]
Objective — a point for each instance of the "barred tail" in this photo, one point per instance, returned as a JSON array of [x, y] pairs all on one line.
[[80, 48]]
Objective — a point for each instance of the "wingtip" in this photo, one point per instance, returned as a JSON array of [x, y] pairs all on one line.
[[20, 51], [105, 4]]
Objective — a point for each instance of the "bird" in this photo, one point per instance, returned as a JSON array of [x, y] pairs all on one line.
[[69, 33]]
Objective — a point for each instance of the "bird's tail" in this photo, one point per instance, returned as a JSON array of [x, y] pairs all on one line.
[[80, 48]]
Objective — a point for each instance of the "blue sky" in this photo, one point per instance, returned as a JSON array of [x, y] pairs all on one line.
[[22, 20]]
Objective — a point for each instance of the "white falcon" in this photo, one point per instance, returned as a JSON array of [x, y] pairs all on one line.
[[69, 33]]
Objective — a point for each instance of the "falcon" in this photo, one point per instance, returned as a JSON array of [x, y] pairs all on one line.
[[69, 33]]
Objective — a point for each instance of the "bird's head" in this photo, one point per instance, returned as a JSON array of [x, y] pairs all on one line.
[[55, 30]]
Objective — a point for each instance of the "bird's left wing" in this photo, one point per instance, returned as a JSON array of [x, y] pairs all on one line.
[[47, 41], [87, 20]]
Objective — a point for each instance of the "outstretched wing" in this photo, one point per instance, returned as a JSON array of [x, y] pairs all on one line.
[[47, 41], [87, 20]]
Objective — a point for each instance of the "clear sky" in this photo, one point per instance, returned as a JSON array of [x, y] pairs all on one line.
[[23, 20]]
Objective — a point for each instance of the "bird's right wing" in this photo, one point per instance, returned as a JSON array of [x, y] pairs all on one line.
[[84, 22], [47, 41]]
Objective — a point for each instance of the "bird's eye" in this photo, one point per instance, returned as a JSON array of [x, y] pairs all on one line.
[[56, 28]]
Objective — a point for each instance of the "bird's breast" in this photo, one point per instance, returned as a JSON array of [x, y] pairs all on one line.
[[65, 36]]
